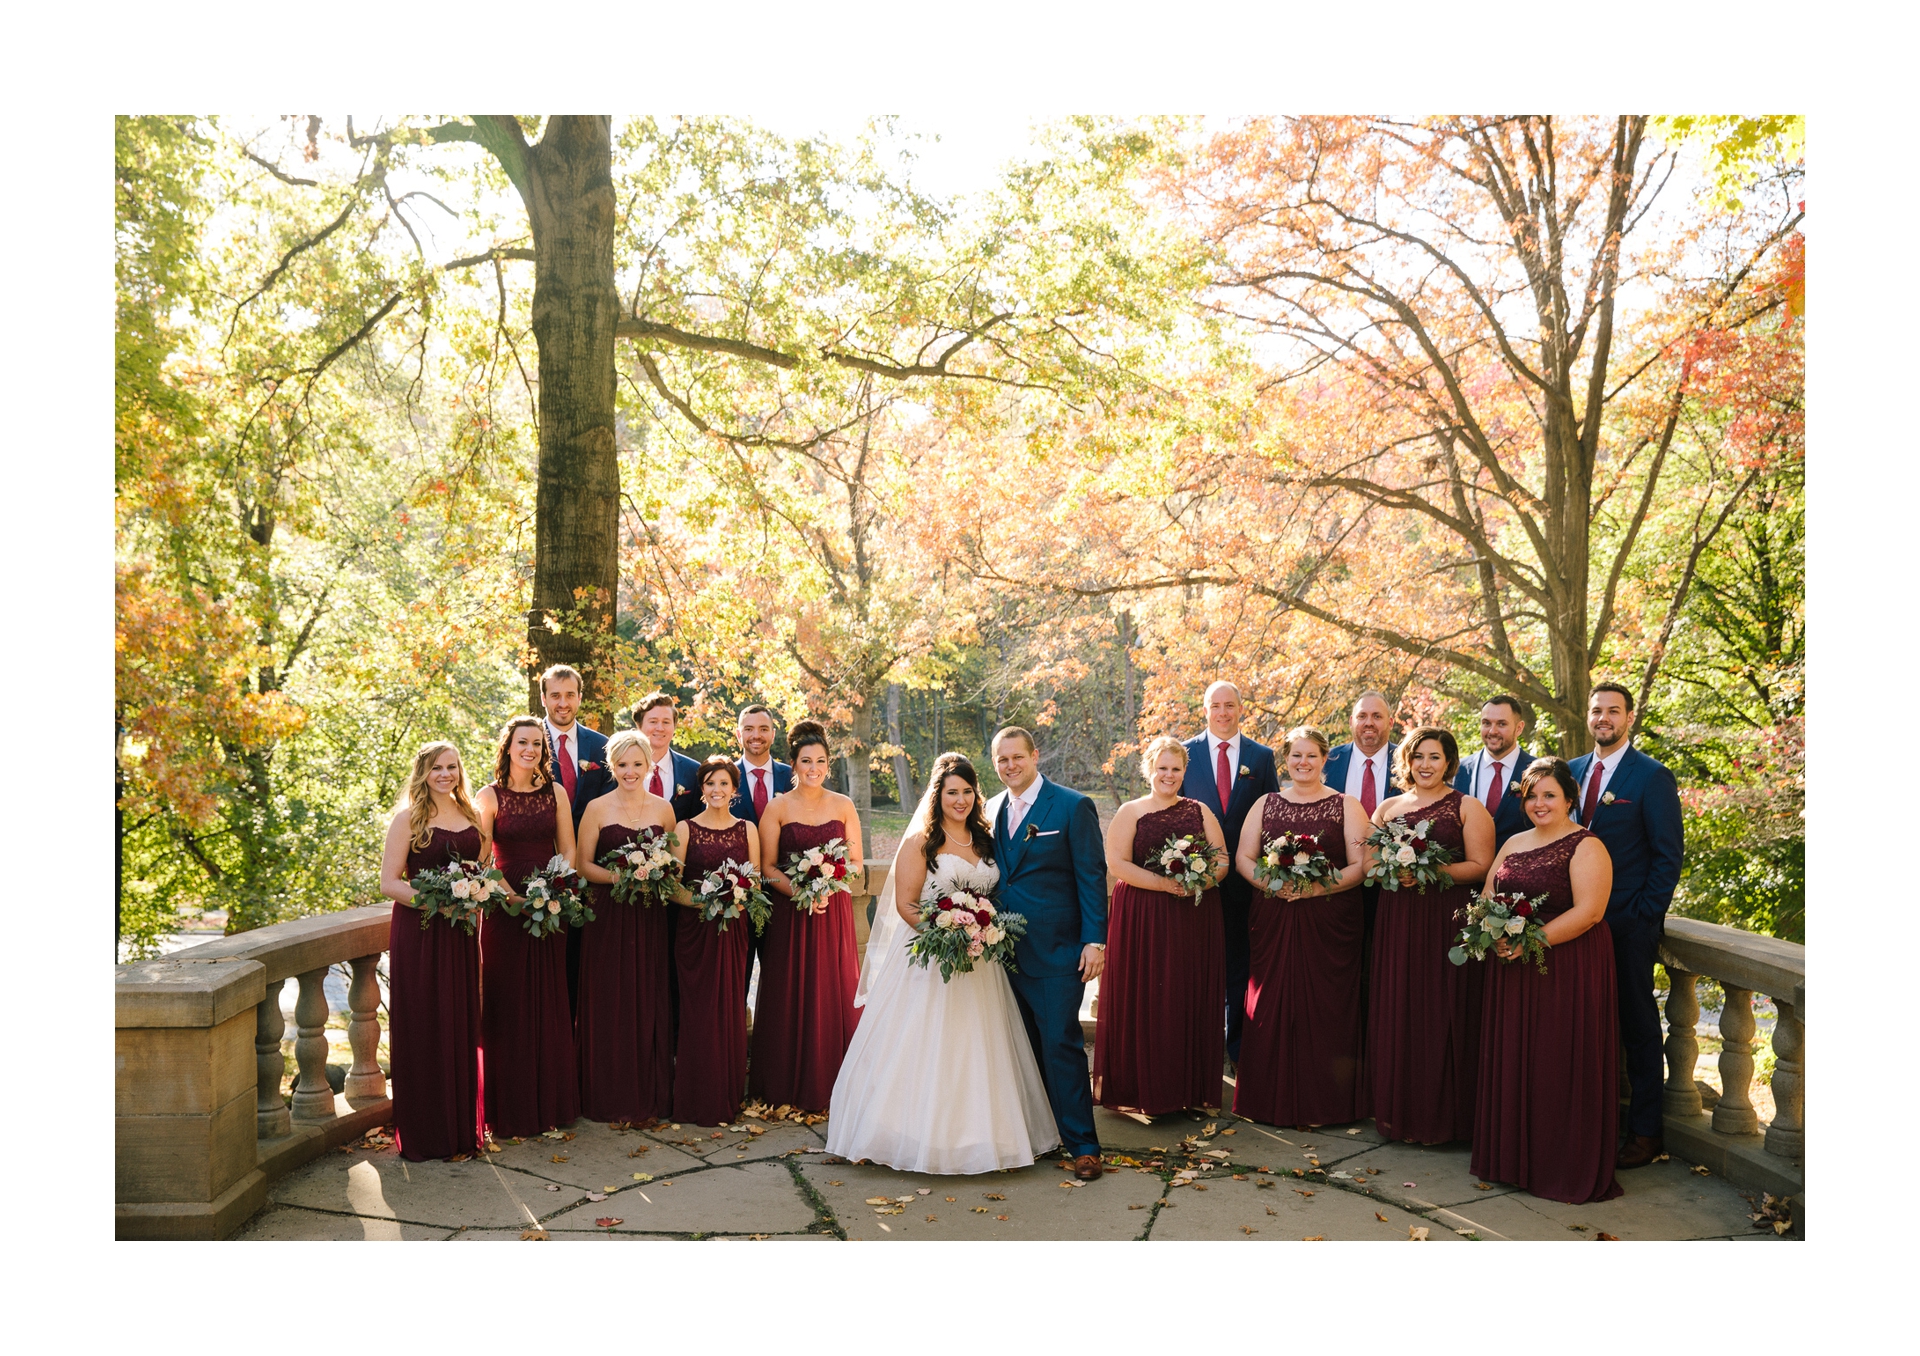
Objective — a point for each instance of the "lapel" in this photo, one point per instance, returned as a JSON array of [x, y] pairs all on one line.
[[997, 817], [1207, 783], [1578, 767]]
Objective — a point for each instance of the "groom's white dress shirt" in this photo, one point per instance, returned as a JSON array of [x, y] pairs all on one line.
[[1357, 772]]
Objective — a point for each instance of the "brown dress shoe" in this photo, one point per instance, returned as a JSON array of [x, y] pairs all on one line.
[[1639, 1151], [1087, 1167]]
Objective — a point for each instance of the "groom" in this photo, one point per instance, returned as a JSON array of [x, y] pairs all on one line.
[[1053, 869]]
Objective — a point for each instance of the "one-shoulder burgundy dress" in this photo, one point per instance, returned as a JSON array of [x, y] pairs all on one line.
[[621, 1033], [1423, 1025], [433, 1017], [804, 1016], [710, 1058], [1300, 1050], [1158, 1044], [526, 1029], [1548, 1104]]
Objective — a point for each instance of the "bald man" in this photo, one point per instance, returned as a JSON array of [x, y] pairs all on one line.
[[1364, 770], [1227, 773]]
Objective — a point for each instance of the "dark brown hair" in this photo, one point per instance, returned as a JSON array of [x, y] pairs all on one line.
[[1512, 703], [805, 732], [1625, 695], [503, 765], [931, 819], [648, 702], [563, 671], [1541, 769], [713, 765], [1403, 758]]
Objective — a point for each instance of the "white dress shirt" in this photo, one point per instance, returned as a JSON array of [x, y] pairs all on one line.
[[764, 771], [1510, 771], [1357, 772], [1018, 805], [1214, 743], [1603, 769], [572, 736]]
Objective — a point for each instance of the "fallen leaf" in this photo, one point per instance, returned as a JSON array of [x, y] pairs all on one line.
[[1298, 1192], [1354, 1131], [1265, 1186], [1406, 1184], [1483, 1186], [999, 1216], [566, 1135], [878, 1200], [1375, 1172], [559, 1158], [931, 1219], [950, 1199], [493, 1149], [1239, 1177], [552, 1187], [637, 1152], [904, 1200], [643, 1177], [841, 1184], [1136, 1207], [1417, 1233], [1466, 1233], [1780, 1226], [596, 1196], [1702, 1170], [459, 1158], [1314, 1238], [923, 1191], [1273, 1212], [1606, 1238], [715, 1135], [756, 1129], [607, 1222], [1230, 1132], [534, 1235], [993, 1195], [1199, 1186], [979, 1209], [1662, 1158], [1382, 1218]]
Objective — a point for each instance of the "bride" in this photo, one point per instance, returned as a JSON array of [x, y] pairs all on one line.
[[940, 1077]]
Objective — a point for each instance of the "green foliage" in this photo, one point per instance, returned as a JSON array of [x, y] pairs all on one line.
[[1739, 150]]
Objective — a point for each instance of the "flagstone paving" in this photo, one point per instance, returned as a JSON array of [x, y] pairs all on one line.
[[760, 1181]]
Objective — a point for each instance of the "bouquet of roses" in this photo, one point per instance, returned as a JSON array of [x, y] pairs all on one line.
[[817, 873], [729, 890], [1406, 856], [962, 927], [1292, 859], [645, 870], [1488, 918], [1191, 862], [555, 894], [458, 892]]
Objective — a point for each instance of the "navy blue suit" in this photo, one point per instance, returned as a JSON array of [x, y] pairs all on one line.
[[1053, 871], [782, 780], [684, 791], [1644, 832], [1335, 776], [1511, 816], [591, 778], [1335, 772], [1236, 894]]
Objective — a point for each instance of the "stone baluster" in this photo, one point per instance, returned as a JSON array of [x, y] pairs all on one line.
[[1787, 1135], [365, 1082], [312, 1097], [270, 1024], [1733, 1114], [1681, 1097]]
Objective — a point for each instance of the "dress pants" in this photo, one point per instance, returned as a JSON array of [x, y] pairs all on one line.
[[1636, 946]]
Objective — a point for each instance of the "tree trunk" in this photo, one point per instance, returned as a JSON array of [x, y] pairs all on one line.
[[902, 768], [570, 203], [860, 759]]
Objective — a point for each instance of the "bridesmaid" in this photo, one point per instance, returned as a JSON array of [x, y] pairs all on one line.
[[1547, 1108], [1300, 1054], [621, 1034], [1159, 1046], [710, 1057], [433, 983], [526, 1031], [1423, 1023], [804, 1016]]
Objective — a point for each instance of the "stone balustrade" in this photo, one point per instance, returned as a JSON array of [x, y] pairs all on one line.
[[1722, 1130]]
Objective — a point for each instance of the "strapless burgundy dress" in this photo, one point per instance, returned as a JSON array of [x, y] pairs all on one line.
[[620, 1032], [710, 1058], [433, 1017], [804, 1017]]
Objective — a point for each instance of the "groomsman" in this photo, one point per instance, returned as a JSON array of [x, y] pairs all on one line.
[[675, 776], [1227, 773], [1631, 803], [1492, 776], [580, 765], [1364, 770], [762, 777]]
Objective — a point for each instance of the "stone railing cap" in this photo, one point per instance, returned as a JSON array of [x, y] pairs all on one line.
[[1747, 960], [303, 944], [192, 993]]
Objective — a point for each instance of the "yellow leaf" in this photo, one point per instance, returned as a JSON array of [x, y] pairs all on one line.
[[1416, 1233], [643, 1177], [1382, 1218]]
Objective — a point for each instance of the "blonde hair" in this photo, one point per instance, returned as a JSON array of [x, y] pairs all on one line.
[[1158, 745], [622, 740], [1306, 732], [419, 802]]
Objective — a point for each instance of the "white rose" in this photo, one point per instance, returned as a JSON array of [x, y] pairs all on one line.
[[1405, 856], [1302, 858], [993, 936], [1516, 926], [553, 906], [944, 919]]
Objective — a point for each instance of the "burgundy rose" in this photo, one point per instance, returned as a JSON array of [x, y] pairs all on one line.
[[982, 917], [1523, 910], [839, 870]]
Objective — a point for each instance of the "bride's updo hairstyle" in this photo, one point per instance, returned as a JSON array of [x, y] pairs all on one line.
[[929, 818], [805, 732]]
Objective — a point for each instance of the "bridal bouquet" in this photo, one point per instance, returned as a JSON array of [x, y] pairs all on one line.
[[1407, 857], [555, 894], [729, 890], [1488, 918], [645, 871], [962, 927], [817, 873], [458, 892], [1292, 859], [1190, 862]]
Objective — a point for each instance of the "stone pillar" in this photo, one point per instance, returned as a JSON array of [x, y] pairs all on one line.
[[1734, 1113], [1787, 1135], [270, 1024], [1681, 1097], [312, 1097], [365, 1082]]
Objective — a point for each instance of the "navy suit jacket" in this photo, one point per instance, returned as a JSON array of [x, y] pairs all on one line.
[[1511, 816], [685, 791], [1335, 774], [743, 794], [1054, 872], [1643, 829], [588, 747], [1260, 777]]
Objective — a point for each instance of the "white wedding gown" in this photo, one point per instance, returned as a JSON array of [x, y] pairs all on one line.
[[940, 1077]]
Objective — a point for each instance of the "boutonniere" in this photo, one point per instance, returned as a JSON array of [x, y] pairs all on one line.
[[1033, 832], [679, 790], [1513, 788], [589, 766], [1245, 771], [1608, 798]]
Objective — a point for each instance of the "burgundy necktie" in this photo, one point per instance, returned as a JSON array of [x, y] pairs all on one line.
[[656, 780], [1593, 796], [566, 765], [1496, 787], [759, 792], [1369, 794], [1223, 776]]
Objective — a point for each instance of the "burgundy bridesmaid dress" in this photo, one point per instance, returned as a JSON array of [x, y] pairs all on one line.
[[1159, 1046], [710, 1059], [804, 1017], [526, 1030], [433, 1017], [1300, 1049], [1423, 1023], [621, 1035], [1548, 1105]]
